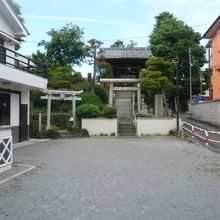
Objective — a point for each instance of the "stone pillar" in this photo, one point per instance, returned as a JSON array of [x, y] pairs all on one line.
[[74, 109], [158, 105], [133, 99], [139, 97], [48, 111], [111, 94]]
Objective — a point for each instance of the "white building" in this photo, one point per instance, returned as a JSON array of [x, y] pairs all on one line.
[[16, 80]]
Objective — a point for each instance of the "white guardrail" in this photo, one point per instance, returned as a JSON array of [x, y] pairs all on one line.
[[193, 130], [5, 151]]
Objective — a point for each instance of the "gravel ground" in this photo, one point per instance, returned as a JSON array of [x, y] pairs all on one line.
[[153, 178]]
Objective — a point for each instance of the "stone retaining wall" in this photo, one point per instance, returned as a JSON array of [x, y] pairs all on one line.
[[207, 112]]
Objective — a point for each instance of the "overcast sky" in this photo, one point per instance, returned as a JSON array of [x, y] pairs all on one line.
[[110, 20]]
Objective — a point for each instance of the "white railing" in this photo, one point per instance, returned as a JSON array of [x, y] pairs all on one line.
[[5, 151], [192, 129], [134, 119]]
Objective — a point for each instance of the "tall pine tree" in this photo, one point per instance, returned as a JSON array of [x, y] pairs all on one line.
[[172, 38]]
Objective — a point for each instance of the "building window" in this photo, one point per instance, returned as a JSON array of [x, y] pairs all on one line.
[[4, 109]]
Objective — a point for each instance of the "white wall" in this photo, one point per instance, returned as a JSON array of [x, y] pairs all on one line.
[[5, 131], [14, 112], [96, 126], [206, 112], [14, 75], [25, 99], [155, 126], [4, 26]]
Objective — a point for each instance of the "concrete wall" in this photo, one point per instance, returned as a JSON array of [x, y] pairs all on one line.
[[15, 116], [206, 112], [96, 126], [146, 126]]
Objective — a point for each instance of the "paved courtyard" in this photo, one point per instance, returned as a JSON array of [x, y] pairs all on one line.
[[153, 178]]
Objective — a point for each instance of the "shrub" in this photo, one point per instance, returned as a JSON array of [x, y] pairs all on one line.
[[52, 132], [112, 134], [90, 98], [143, 115], [109, 112], [84, 132], [101, 93], [60, 120], [74, 129], [87, 111], [173, 132], [36, 100]]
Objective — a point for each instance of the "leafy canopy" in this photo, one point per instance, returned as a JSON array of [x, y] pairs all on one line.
[[66, 45], [157, 77], [120, 44], [172, 38]]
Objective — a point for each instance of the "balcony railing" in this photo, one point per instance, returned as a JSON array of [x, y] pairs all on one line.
[[17, 60]]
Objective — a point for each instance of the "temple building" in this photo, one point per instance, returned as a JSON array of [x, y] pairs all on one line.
[[124, 86], [126, 62]]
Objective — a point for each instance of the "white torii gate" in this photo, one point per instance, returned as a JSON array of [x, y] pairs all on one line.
[[136, 88], [61, 95]]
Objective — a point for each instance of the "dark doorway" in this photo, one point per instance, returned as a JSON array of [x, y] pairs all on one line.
[[2, 52], [5, 109], [23, 122]]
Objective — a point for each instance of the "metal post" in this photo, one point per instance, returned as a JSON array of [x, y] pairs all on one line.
[[176, 62], [177, 97], [39, 121], [139, 97], [48, 111], [201, 82], [111, 94], [190, 76]]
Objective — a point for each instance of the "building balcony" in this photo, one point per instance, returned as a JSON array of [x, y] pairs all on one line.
[[20, 72]]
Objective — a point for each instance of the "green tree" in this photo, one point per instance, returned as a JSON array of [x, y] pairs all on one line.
[[118, 44], [131, 44], [172, 38], [66, 45], [104, 69], [90, 98], [157, 78], [17, 10]]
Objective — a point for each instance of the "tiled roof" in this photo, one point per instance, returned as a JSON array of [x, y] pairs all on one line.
[[125, 53], [212, 29]]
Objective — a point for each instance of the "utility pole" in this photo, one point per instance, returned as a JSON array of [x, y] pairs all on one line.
[[190, 76], [176, 62], [93, 47], [201, 81]]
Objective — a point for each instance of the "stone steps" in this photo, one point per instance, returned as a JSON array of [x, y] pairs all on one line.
[[123, 104], [126, 130]]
